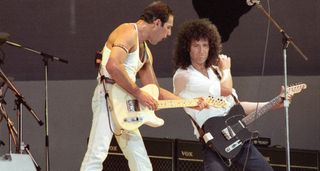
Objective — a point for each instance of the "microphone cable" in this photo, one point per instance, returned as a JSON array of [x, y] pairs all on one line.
[[262, 75]]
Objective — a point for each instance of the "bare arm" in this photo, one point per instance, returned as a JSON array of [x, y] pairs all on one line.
[[226, 82], [250, 107], [125, 36]]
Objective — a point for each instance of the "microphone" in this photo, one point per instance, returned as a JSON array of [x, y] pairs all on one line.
[[3, 37], [252, 2]]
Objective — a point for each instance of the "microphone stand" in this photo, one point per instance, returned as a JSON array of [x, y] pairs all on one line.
[[45, 59], [20, 146], [286, 40], [13, 134]]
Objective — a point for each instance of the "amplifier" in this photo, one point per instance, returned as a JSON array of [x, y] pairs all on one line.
[[262, 141], [160, 152], [186, 155], [189, 155], [115, 160], [189, 158], [300, 160]]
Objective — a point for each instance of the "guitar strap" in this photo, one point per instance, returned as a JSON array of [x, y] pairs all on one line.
[[219, 77], [200, 130], [106, 80]]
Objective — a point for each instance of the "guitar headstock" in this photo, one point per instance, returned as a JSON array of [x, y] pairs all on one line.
[[216, 102], [297, 88]]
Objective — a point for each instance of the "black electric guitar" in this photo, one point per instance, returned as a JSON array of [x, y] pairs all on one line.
[[227, 134]]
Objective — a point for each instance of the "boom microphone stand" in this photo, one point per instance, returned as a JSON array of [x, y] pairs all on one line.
[[20, 146], [45, 59], [13, 134], [286, 40]]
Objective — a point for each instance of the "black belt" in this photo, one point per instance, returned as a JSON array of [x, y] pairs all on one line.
[[107, 80]]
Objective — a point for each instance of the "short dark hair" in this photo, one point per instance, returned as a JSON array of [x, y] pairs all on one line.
[[156, 10], [196, 30]]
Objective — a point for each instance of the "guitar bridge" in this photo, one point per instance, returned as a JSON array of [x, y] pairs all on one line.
[[133, 119], [233, 146]]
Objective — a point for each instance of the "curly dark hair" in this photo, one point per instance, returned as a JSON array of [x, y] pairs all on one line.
[[156, 10], [196, 30]]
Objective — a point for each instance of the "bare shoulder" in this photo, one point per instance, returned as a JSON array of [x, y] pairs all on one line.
[[124, 34], [126, 28]]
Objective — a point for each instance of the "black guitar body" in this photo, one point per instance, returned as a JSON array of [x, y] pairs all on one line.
[[226, 135], [228, 148]]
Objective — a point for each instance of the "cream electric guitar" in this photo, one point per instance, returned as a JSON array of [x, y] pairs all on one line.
[[129, 114]]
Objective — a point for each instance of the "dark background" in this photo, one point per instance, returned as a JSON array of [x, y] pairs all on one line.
[[75, 30]]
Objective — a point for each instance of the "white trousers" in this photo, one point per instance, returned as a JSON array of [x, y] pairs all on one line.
[[131, 143]]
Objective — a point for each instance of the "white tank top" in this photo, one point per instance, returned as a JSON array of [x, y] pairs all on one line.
[[132, 63]]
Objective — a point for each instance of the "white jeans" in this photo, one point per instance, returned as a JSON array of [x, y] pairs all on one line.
[[131, 143]]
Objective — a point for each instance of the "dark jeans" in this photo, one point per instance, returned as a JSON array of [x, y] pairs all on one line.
[[249, 159]]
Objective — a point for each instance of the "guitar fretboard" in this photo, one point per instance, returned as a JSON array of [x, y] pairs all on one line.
[[253, 116], [163, 104], [215, 102]]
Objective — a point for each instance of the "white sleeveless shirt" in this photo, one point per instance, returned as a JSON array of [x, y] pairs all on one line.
[[132, 64]]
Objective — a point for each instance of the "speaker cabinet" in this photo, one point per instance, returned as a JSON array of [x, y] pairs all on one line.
[[186, 155], [160, 152], [16, 162], [115, 160], [300, 160], [189, 156]]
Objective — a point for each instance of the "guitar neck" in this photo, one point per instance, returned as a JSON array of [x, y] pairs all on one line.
[[165, 104], [264, 109]]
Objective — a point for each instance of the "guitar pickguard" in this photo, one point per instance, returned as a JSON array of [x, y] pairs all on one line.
[[227, 140]]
